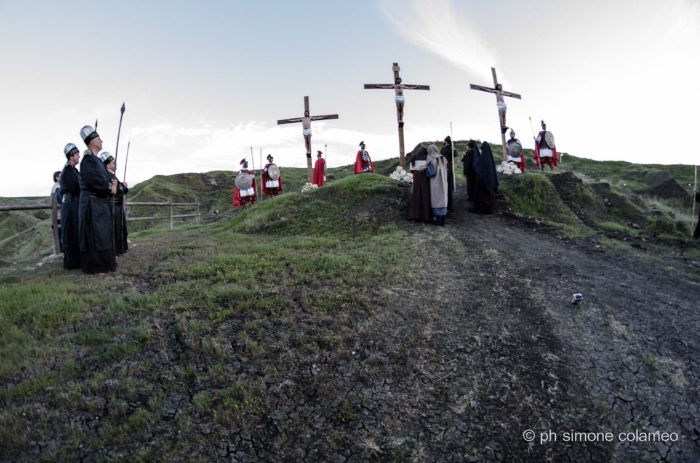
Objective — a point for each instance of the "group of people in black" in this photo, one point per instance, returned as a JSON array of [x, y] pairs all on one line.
[[93, 222], [432, 196]]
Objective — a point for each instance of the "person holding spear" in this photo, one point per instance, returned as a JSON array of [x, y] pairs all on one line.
[[96, 226], [120, 231]]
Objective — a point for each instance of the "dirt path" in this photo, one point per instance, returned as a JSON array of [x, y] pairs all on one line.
[[624, 360]]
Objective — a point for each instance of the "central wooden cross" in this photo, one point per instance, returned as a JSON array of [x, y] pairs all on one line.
[[398, 87], [306, 127], [500, 93]]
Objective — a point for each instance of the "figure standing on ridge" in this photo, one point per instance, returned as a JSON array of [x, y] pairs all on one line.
[[120, 231], [436, 170], [320, 170], [486, 181], [363, 163], [449, 153], [515, 151], [244, 192], [96, 228], [271, 178], [545, 149], [70, 208], [56, 191]]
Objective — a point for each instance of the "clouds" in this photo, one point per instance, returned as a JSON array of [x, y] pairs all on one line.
[[435, 26]]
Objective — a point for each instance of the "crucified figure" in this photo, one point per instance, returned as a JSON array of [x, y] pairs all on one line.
[[399, 88], [306, 130]]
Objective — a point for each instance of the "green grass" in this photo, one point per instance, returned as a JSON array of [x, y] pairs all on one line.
[[244, 290], [532, 194]]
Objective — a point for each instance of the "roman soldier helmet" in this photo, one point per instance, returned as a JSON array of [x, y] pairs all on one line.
[[544, 126], [70, 150], [269, 158], [362, 144], [244, 163], [512, 133], [88, 134], [319, 153], [106, 157]]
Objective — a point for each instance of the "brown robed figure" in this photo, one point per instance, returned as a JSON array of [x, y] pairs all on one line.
[[306, 130], [501, 104], [398, 88]]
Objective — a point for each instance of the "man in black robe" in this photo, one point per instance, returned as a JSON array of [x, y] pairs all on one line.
[[120, 232], [420, 190], [70, 208], [448, 153], [469, 172], [486, 182], [96, 232]]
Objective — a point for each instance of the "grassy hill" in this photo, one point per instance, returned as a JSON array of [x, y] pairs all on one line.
[[612, 196]]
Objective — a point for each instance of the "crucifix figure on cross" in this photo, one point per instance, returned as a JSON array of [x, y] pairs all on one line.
[[398, 88], [306, 130], [500, 103]]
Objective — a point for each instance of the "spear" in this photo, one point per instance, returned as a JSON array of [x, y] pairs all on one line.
[[95, 124], [252, 159], [116, 153], [261, 175], [126, 164]]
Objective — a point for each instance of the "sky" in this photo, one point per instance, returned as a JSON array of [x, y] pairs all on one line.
[[203, 82]]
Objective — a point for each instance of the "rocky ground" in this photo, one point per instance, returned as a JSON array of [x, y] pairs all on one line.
[[478, 345]]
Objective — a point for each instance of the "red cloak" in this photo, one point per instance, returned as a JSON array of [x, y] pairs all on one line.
[[521, 165], [358, 163], [264, 181], [237, 200], [320, 172], [555, 156]]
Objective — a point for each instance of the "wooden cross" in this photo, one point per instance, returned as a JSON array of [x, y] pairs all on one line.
[[398, 87], [500, 93], [306, 124]]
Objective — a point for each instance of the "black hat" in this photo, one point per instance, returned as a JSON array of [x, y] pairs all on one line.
[[106, 157], [70, 150], [88, 134]]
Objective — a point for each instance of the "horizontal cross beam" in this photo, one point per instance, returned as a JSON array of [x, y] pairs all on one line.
[[391, 87], [493, 90]]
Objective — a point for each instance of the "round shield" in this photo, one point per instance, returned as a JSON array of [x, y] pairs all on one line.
[[515, 149], [273, 172], [244, 181], [549, 140]]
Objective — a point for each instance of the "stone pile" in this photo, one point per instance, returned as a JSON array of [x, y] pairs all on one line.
[[308, 186], [401, 175], [506, 168]]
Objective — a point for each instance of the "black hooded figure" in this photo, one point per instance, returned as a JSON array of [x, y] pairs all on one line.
[[96, 250], [486, 181], [446, 151], [420, 209], [70, 209], [469, 172], [120, 231]]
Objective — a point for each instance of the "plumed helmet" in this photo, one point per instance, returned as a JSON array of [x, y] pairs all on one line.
[[106, 157], [243, 161], [269, 157], [544, 126], [88, 134], [362, 143], [70, 150]]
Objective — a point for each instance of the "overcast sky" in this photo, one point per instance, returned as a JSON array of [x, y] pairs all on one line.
[[205, 81]]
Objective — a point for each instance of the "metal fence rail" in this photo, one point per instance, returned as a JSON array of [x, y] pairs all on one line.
[[55, 208]]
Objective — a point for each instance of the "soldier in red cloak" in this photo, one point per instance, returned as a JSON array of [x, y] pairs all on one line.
[[270, 187], [247, 197], [543, 153], [518, 161], [320, 170], [363, 163]]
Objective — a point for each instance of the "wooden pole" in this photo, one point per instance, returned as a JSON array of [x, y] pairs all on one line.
[[695, 189], [170, 213], [402, 151], [54, 225], [261, 175]]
